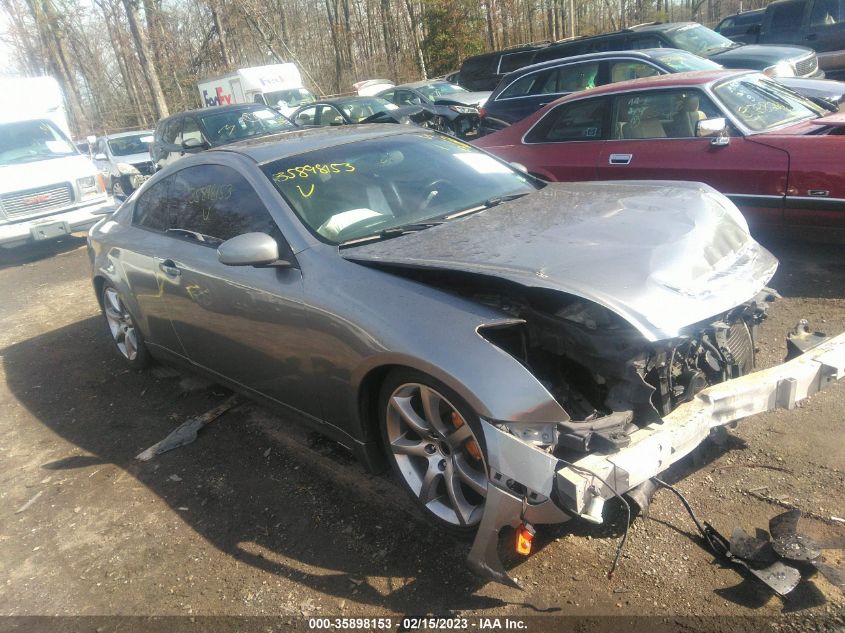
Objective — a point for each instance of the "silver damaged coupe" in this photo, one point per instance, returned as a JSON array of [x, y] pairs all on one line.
[[517, 351]]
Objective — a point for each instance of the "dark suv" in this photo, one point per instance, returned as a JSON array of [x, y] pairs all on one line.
[[775, 61], [528, 89], [197, 130], [483, 72]]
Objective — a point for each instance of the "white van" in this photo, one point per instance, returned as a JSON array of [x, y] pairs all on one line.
[[277, 85], [47, 188]]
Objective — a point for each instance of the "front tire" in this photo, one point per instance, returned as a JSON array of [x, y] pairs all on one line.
[[128, 340], [432, 440]]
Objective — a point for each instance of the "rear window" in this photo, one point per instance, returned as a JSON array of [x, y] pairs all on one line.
[[477, 67], [233, 125], [514, 61]]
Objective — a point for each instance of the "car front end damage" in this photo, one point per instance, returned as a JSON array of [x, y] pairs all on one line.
[[530, 483], [636, 306]]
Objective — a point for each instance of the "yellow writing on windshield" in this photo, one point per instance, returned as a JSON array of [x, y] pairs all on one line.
[[305, 171]]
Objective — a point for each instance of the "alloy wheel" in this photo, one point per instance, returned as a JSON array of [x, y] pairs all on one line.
[[437, 454], [120, 324]]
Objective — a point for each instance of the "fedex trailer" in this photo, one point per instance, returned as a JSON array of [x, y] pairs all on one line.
[[277, 85]]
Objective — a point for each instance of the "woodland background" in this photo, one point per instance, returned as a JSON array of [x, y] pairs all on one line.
[[123, 64]]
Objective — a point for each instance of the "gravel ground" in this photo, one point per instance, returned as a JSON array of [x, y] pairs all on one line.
[[260, 517]]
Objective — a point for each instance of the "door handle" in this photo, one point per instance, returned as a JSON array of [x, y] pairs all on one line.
[[812, 36], [620, 159], [168, 267], [540, 105]]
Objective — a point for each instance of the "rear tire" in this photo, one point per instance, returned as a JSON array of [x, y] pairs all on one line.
[[126, 336], [433, 441]]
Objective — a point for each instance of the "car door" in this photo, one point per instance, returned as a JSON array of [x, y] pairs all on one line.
[[826, 30], [653, 136], [151, 218], [565, 144], [784, 22], [241, 322]]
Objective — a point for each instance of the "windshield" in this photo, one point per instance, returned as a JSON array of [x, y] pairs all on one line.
[[126, 145], [762, 104], [291, 98], [361, 109], [681, 61], [30, 141], [440, 89], [361, 189], [699, 40], [234, 125]]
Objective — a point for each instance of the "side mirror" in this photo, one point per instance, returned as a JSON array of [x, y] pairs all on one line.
[[519, 167], [92, 140], [100, 156], [194, 144], [753, 29], [716, 129], [250, 249]]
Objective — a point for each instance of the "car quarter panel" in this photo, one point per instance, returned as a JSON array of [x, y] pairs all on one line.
[[815, 195], [359, 318]]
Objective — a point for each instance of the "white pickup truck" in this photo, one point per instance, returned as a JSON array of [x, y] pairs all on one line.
[[47, 188]]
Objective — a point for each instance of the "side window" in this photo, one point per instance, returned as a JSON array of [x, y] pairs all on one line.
[[530, 84], [787, 16], [406, 97], [827, 13], [577, 121], [625, 70], [661, 114], [171, 131], [217, 202], [331, 116], [390, 95], [644, 41], [571, 78], [190, 131], [308, 116], [152, 208]]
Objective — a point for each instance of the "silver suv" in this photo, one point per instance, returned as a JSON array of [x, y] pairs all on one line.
[[124, 160]]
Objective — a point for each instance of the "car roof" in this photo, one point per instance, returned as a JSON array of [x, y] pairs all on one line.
[[215, 109], [640, 53], [125, 134], [424, 82], [661, 26], [692, 78], [272, 147], [350, 99]]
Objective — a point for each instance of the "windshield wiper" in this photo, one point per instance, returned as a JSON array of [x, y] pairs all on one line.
[[490, 202], [392, 231], [768, 93]]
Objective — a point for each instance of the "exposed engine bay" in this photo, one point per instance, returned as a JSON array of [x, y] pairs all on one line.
[[606, 376]]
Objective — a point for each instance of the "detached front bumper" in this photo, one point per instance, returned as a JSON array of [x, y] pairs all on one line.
[[530, 485], [53, 225]]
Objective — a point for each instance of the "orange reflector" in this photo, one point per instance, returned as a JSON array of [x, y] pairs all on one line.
[[101, 183], [471, 446], [524, 538]]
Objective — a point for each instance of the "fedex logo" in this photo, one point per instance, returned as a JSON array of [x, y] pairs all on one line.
[[219, 99]]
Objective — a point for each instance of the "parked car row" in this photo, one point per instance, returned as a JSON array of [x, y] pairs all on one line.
[[483, 72]]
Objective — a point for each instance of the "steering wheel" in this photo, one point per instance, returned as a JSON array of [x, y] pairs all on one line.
[[432, 190]]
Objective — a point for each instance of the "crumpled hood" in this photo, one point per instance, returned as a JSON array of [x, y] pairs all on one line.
[[662, 255], [43, 173], [465, 98]]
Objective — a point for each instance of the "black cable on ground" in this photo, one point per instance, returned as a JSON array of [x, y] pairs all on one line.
[[624, 538]]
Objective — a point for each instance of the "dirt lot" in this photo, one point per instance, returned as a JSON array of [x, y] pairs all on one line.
[[260, 517]]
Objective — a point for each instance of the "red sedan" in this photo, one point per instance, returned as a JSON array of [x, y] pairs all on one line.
[[778, 156]]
